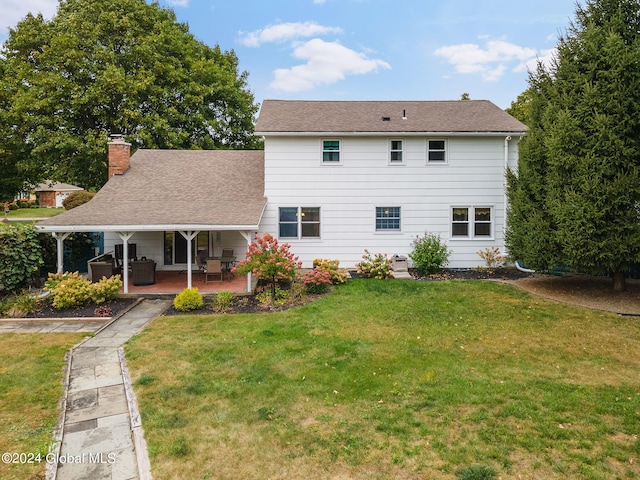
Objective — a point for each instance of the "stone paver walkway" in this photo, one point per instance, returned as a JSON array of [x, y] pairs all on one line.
[[101, 433]]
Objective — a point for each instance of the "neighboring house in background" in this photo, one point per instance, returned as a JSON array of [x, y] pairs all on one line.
[[52, 194], [334, 178]]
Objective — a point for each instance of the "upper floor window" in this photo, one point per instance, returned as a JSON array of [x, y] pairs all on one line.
[[299, 222], [331, 151], [471, 222], [395, 152], [387, 219], [436, 151]]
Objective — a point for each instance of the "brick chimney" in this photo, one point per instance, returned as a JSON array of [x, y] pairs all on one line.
[[119, 154]]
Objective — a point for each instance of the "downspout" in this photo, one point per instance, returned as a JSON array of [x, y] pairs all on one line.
[[506, 169]]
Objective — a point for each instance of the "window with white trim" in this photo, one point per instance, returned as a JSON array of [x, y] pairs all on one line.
[[471, 222], [387, 219], [331, 151], [395, 152], [436, 151], [299, 222]]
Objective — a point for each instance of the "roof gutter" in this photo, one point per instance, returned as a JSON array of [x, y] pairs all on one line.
[[141, 228], [390, 133]]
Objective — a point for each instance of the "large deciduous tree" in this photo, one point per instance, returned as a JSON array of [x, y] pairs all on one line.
[[576, 198], [120, 66]]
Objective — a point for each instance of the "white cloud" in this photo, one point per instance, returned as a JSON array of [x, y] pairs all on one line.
[[326, 63], [546, 57], [12, 11], [286, 31], [178, 3], [490, 61]]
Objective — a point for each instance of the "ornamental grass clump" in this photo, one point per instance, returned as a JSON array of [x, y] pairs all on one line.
[[189, 299], [268, 260], [374, 266]]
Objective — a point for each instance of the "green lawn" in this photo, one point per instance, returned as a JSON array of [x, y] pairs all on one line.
[[393, 379], [31, 374], [34, 213]]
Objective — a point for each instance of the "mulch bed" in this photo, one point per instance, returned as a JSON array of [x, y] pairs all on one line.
[[46, 310]]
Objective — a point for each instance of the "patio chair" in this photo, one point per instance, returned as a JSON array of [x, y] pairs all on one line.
[[199, 263], [229, 261], [213, 268]]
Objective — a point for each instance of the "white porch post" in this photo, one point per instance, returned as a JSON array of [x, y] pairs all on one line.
[[60, 238], [188, 236], [125, 236], [248, 236]]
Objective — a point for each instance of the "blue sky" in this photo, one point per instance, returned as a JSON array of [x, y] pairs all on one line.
[[369, 49]]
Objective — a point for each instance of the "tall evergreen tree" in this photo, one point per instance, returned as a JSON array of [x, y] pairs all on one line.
[[115, 66], [582, 172]]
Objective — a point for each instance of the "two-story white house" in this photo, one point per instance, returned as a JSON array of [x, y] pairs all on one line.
[[341, 176], [335, 178]]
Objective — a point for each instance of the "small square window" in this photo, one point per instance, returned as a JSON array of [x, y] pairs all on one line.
[[331, 151], [436, 151], [387, 218]]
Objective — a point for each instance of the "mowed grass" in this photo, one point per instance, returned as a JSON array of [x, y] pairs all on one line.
[[31, 375], [41, 212], [393, 379]]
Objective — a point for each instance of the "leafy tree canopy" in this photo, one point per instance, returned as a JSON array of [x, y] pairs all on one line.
[[114, 66], [576, 199]]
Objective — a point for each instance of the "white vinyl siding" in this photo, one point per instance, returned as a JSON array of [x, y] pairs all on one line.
[[348, 196]]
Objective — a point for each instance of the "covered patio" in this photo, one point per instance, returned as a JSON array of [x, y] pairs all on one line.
[[160, 199], [172, 283]]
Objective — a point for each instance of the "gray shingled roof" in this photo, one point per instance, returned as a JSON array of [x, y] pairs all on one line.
[[51, 186], [210, 188], [301, 116]]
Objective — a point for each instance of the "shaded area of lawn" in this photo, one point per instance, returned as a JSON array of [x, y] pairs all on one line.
[[31, 376], [392, 379]]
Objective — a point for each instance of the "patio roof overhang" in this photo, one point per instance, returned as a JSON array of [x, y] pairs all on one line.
[[142, 228]]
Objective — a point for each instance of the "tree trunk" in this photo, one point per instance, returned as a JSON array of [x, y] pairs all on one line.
[[619, 281]]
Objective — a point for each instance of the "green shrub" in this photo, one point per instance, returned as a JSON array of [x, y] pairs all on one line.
[[18, 305], [20, 255], [374, 266], [71, 289], [429, 254], [222, 301], [187, 300], [105, 289], [267, 298], [68, 289], [77, 198]]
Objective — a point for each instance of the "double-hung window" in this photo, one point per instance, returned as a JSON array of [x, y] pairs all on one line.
[[436, 151], [299, 222], [387, 219], [331, 151], [471, 222], [395, 152]]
